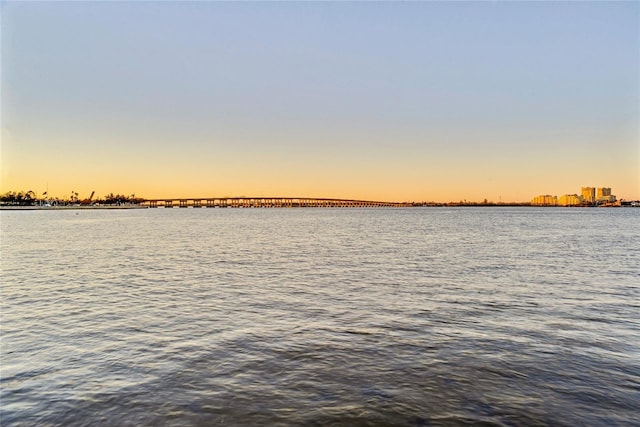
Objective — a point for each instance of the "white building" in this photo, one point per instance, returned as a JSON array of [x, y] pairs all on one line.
[[570, 200], [588, 194], [604, 195], [544, 200]]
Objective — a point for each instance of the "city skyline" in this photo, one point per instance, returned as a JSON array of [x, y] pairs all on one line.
[[588, 196], [373, 101]]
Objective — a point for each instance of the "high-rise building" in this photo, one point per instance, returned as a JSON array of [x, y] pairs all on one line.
[[603, 192], [570, 200], [589, 194], [604, 195], [544, 200]]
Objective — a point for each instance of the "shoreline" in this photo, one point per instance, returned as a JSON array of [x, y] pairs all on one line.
[[417, 205], [69, 207]]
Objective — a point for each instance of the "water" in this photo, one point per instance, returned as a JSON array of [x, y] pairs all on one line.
[[416, 317]]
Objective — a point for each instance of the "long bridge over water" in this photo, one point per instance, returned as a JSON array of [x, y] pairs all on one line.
[[266, 202]]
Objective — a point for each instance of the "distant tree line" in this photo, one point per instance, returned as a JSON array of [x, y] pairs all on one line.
[[29, 198], [118, 199], [21, 198]]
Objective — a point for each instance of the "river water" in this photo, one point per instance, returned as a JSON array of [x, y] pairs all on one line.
[[292, 317]]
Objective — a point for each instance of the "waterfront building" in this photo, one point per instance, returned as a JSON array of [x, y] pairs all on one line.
[[544, 200], [589, 194], [588, 197], [604, 195], [570, 200]]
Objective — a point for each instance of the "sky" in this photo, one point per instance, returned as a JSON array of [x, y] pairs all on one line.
[[393, 101]]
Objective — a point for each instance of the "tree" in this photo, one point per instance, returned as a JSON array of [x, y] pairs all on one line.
[[21, 198]]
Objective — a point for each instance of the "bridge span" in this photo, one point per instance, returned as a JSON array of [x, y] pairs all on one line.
[[266, 202]]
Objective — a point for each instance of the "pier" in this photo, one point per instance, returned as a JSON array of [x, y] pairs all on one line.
[[267, 202]]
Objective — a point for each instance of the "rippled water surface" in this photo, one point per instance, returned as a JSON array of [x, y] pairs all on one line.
[[417, 317]]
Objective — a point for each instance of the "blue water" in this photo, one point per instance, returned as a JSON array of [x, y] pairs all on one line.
[[416, 317]]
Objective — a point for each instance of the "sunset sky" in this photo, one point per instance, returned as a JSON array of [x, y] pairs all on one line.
[[421, 101]]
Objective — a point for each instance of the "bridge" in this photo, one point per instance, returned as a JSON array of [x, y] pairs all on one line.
[[266, 202]]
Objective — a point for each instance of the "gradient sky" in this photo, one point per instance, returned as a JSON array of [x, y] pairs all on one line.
[[368, 100]]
